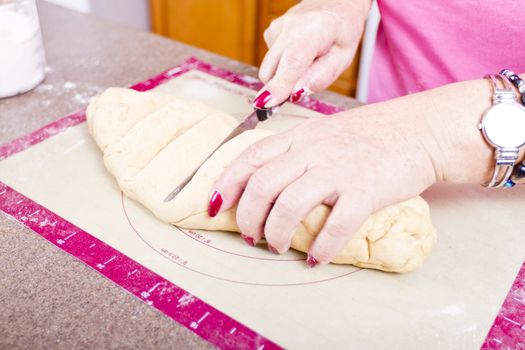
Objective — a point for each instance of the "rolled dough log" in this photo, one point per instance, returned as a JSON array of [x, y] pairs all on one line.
[[153, 141]]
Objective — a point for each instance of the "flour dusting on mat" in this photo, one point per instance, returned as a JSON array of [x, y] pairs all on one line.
[[185, 300]]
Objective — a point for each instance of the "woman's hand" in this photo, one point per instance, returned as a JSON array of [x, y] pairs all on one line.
[[357, 162], [309, 47]]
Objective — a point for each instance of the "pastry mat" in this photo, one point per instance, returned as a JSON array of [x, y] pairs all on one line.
[[235, 296]]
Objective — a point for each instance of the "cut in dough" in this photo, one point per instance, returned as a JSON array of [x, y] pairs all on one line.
[[153, 141]]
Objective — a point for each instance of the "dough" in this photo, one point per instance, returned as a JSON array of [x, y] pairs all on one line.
[[153, 141]]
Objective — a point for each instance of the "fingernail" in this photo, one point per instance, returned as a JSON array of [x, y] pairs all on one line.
[[261, 100], [215, 204], [249, 240], [271, 103], [272, 249], [311, 261], [296, 96]]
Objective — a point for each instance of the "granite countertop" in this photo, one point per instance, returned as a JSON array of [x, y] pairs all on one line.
[[49, 299]]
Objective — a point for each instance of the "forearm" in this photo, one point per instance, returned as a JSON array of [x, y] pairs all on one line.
[[442, 124]]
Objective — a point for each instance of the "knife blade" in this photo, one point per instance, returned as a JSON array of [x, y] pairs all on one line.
[[249, 123]]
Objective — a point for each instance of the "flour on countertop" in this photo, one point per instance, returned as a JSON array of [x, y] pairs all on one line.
[[69, 85], [77, 92]]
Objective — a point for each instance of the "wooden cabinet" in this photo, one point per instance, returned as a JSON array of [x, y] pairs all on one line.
[[227, 27], [233, 28]]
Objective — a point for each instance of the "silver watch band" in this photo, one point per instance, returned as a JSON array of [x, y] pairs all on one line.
[[505, 156], [504, 166]]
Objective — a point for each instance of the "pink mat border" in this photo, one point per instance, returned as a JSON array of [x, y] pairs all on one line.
[[508, 329]]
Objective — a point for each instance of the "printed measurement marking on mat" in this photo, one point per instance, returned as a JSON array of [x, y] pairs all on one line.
[[63, 240], [267, 279], [104, 264], [151, 290], [194, 325]]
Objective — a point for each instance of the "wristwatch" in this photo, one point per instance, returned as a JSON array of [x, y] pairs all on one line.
[[503, 127]]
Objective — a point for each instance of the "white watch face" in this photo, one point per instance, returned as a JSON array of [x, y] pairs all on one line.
[[504, 125]]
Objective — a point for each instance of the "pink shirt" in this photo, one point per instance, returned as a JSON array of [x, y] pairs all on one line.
[[423, 44]]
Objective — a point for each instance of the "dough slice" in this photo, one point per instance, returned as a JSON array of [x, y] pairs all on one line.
[[190, 208], [176, 161], [144, 140], [113, 113]]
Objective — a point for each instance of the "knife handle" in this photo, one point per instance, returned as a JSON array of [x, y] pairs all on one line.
[[265, 113]]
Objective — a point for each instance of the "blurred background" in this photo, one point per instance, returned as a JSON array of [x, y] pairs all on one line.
[[232, 28]]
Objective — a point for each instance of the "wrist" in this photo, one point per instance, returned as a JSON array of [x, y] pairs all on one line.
[[457, 147]]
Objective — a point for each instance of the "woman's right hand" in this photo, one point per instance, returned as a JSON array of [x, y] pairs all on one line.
[[309, 47]]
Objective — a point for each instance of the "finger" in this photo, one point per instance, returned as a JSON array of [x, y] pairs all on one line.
[[275, 48], [293, 205], [324, 71], [348, 214], [293, 63], [271, 61], [229, 186], [263, 187], [273, 31]]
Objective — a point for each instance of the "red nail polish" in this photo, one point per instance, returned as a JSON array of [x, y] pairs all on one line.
[[249, 240], [311, 261], [215, 204], [296, 96], [262, 99], [272, 249]]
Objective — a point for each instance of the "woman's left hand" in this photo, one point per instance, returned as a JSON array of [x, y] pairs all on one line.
[[357, 162]]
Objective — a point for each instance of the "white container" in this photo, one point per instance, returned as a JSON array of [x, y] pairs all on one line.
[[22, 61]]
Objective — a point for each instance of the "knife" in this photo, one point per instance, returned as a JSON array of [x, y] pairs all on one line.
[[249, 123]]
